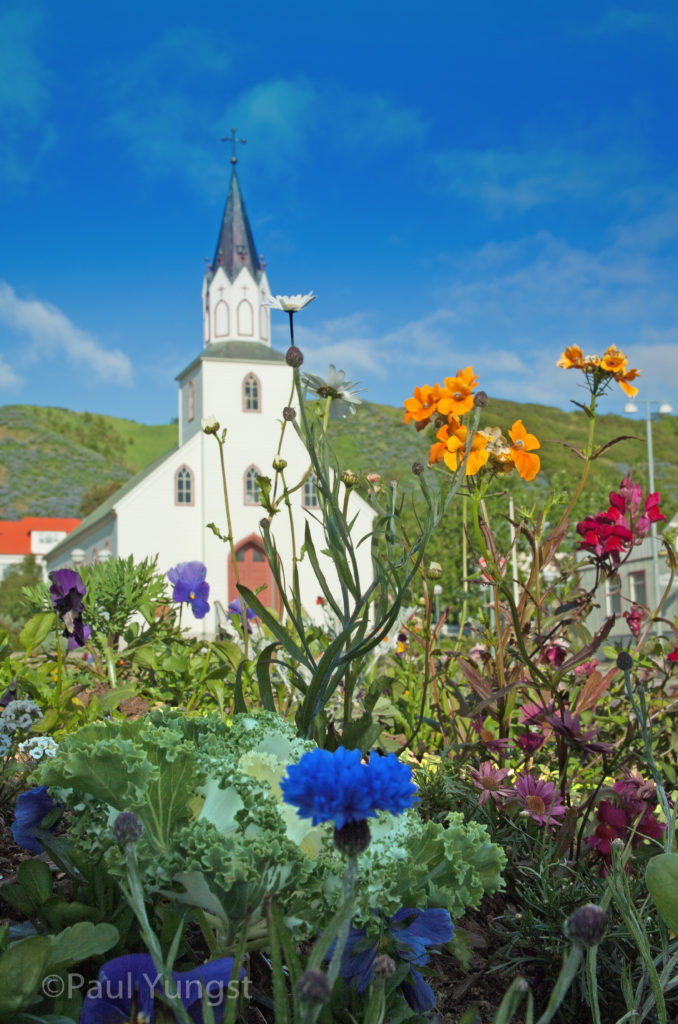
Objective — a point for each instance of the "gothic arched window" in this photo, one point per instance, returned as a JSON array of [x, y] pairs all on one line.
[[251, 394], [252, 496], [183, 486], [245, 318], [221, 319], [311, 492]]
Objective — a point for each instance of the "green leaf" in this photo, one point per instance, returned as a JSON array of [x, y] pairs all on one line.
[[661, 876], [35, 878], [144, 656], [36, 629], [79, 942], [279, 632], [22, 968], [111, 700], [264, 676]]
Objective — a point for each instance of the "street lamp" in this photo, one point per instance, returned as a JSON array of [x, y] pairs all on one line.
[[664, 410]]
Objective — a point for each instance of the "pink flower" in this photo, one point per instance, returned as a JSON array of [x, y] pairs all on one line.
[[532, 712], [634, 817], [586, 667], [530, 741], [488, 779], [652, 514], [612, 824], [556, 655], [673, 656], [635, 618], [540, 799]]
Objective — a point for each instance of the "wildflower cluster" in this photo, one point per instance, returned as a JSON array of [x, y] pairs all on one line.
[[19, 716], [609, 535], [445, 406], [601, 370], [538, 798]]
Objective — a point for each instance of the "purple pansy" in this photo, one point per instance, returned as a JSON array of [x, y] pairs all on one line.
[[188, 579], [235, 610], [66, 593], [32, 807], [132, 981], [407, 936]]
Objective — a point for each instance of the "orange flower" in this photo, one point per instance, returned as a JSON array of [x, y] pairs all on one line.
[[523, 444], [613, 360], [444, 434], [456, 451], [572, 358], [422, 405], [456, 395]]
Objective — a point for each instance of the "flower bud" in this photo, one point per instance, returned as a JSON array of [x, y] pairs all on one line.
[[264, 524], [349, 478], [586, 926], [434, 571], [354, 837], [210, 425], [289, 413], [373, 478], [480, 399], [624, 661], [313, 987], [294, 356], [384, 966], [279, 464], [127, 828], [417, 468]]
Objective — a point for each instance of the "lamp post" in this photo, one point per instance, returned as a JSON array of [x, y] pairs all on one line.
[[664, 410]]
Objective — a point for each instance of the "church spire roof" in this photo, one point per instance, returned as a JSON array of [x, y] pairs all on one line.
[[235, 245]]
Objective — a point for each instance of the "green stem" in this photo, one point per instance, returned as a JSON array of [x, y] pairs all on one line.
[[348, 894], [231, 542]]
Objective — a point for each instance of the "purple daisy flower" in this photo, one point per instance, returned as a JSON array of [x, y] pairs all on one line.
[[540, 799], [188, 579]]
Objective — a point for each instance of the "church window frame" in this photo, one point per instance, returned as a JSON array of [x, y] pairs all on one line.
[[190, 401], [251, 393], [184, 487], [251, 492], [222, 319], [245, 310], [310, 492]]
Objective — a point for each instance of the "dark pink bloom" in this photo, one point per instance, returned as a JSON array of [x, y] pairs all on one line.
[[489, 780], [634, 817], [635, 619], [530, 741], [556, 655], [586, 667], [673, 656], [568, 726]]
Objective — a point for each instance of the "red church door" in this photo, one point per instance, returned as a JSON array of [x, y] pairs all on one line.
[[253, 571]]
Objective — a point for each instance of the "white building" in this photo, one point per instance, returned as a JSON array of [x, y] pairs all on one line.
[[245, 384]]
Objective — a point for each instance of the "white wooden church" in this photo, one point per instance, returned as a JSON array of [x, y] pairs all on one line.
[[245, 383]]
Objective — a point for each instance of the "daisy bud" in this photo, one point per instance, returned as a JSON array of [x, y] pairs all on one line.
[[289, 413], [417, 468], [586, 926], [210, 425], [624, 661], [349, 478], [313, 987], [434, 571], [127, 828], [353, 838], [294, 356], [279, 464]]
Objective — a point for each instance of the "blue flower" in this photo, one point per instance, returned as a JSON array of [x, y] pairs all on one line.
[[32, 807], [235, 611], [407, 937], [337, 787], [132, 981], [66, 594], [190, 587]]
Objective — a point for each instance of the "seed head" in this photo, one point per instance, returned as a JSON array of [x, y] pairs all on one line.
[[417, 468], [586, 926], [127, 828], [294, 356], [289, 413]]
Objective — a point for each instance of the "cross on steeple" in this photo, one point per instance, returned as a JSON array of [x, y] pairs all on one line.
[[233, 140]]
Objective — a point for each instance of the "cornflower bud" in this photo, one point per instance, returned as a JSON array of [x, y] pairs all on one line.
[[264, 524], [294, 356], [624, 661], [384, 966], [313, 987], [586, 926], [289, 413], [417, 468], [127, 828], [480, 399]]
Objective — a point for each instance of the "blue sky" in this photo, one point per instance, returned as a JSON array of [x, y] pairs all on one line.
[[471, 182]]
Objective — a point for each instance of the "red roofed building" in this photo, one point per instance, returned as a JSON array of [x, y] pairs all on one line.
[[33, 535]]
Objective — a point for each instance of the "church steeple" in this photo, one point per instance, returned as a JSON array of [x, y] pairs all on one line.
[[235, 245], [235, 290]]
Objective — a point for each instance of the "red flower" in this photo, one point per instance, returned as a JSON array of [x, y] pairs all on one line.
[[673, 656]]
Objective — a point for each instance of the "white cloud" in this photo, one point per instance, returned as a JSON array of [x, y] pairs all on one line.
[[8, 378], [627, 19], [52, 333]]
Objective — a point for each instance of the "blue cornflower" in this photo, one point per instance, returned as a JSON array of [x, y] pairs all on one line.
[[66, 594], [190, 587], [407, 936], [132, 981], [32, 807], [235, 610], [337, 787]]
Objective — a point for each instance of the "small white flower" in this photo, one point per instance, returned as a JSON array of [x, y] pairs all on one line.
[[344, 393], [210, 425], [291, 303]]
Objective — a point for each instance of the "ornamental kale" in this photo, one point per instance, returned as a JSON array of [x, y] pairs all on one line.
[[189, 583]]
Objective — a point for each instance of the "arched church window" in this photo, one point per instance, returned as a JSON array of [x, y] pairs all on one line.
[[263, 323], [245, 318], [311, 492], [252, 496], [190, 401], [183, 486], [251, 394], [221, 319]]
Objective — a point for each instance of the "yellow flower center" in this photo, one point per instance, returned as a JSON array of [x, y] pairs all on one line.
[[192, 596], [535, 804]]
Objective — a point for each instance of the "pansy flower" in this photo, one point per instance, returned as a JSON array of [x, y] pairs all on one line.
[[188, 579], [32, 807], [235, 610], [66, 594]]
